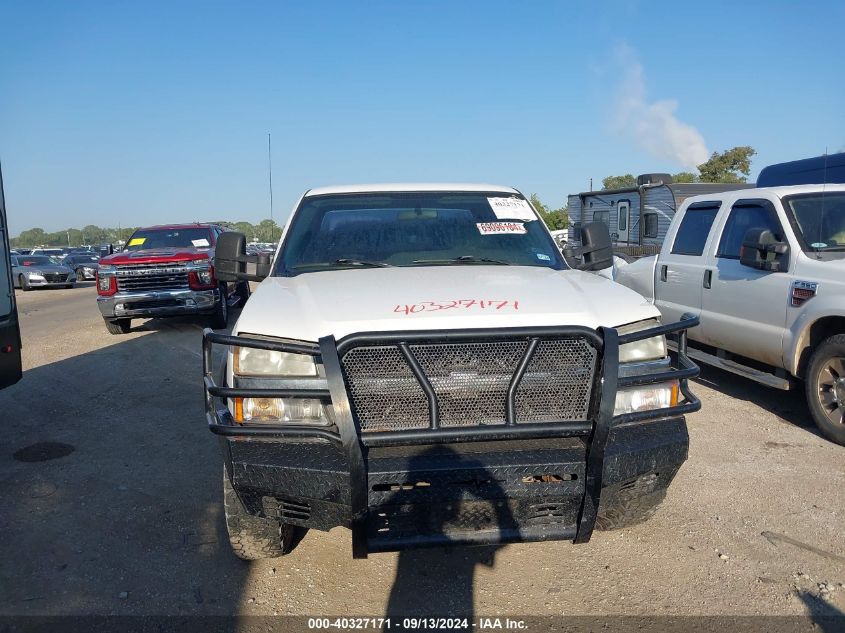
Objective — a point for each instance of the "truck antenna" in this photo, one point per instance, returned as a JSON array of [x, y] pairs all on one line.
[[270, 166]]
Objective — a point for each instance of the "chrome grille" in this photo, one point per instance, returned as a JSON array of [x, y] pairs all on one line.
[[151, 277], [470, 381]]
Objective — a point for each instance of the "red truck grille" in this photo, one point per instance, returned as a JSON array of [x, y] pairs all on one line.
[[151, 277]]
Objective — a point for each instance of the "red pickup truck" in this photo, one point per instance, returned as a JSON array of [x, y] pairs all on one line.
[[166, 271]]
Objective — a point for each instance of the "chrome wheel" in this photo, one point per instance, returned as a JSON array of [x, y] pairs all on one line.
[[831, 389]]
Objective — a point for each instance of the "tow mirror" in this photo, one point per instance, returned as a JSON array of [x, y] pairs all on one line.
[[596, 248], [762, 251], [230, 259]]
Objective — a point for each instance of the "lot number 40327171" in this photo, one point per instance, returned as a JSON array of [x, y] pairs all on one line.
[[459, 304]]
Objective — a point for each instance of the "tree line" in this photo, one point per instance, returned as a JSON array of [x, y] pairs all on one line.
[[731, 166], [264, 231]]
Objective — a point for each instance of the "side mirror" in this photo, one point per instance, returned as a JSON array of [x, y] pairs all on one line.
[[596, 249], [760, 250], [230, 259]]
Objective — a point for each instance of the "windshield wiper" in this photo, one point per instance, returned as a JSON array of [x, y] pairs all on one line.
[[463, 259], [347, 262]]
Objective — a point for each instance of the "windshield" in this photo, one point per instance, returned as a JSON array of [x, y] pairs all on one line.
[[84, 259], [415, 229], [819, 220], [199, 237], [35, 260]]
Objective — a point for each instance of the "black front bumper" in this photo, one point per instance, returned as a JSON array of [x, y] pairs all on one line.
[[473, 485]]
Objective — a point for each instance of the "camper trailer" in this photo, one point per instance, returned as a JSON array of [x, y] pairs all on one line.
[[638, 217]]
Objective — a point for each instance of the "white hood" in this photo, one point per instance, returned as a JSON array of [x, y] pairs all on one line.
[[342, 302]]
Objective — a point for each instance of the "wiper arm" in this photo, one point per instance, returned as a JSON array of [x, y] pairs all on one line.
[[347, 262], [463, 259]]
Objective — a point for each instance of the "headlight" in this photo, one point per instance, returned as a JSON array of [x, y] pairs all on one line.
[[263, 362], [279, 410], [653, 348], [646, 398], [106, 268], [35, 275]]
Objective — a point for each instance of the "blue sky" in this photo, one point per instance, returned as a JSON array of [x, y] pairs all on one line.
[[136, 113]]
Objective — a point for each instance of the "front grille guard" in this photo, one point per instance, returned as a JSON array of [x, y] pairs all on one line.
[[345, 431]]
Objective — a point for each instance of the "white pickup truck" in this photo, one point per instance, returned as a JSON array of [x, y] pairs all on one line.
[[764, 270], [421, 365]]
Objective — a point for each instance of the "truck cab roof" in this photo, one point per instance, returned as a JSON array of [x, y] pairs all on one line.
[[407, 187]]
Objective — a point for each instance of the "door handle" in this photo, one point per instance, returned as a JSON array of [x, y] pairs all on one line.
[[708, 278], [663, 271]]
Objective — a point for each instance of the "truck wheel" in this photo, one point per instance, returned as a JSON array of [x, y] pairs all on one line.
[[628, 504], [252, 537], [24, 284], [243, 292], [118, 326], [220, 317], [825, 384]]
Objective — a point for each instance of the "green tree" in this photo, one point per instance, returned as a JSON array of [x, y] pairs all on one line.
[[555, 219], [246, 228], [267, 231], [685, 176], [619, 182], [732, 165]]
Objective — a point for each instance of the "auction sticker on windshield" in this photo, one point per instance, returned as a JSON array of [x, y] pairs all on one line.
[[498, 228], [511, 209], [137, 241], [491, 305]]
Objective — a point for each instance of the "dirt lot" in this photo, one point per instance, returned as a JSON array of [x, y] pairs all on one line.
[[130, 522]]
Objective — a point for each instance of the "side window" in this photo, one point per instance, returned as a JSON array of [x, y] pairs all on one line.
[[746, 215], [694, 229], [600, 216], [650, 226]]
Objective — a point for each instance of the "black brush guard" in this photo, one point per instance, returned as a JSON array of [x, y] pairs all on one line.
[[357, 450]]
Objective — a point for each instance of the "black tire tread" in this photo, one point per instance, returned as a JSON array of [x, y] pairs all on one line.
[[118, 326], [627, 506], [252, 537]]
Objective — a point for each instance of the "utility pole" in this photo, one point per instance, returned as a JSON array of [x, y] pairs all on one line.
[[270, 166]]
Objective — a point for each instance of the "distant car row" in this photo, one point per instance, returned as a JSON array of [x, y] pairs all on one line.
[[43, 271]]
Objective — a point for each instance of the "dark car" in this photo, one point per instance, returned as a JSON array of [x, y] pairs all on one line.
[[40, 271], [85, 265]]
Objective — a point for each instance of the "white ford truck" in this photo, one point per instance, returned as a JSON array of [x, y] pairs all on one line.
[[420, 365], [764, 271]]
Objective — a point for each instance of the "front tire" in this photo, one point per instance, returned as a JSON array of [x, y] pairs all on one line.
[[243, 293], [220, 317], [253, 537], [24, 284], [118, 326], [825, 386]]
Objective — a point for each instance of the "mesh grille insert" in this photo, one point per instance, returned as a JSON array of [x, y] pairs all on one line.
[[470, 380]]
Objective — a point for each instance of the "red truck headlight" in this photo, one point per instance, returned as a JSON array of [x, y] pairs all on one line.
[[202, 276], [106, 283]]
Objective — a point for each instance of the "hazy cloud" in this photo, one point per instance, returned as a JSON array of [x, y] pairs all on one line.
[[654, 126]]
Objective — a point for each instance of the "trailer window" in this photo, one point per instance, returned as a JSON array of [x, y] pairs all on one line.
[[600, 216], [694, 229], [650, 225]]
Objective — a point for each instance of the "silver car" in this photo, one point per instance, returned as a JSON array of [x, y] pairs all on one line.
[[40, 271], [85, 265]]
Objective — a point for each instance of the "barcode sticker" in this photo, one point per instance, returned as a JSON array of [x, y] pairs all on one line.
[[512, 209]]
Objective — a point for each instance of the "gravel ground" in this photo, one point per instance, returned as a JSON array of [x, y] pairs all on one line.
[[130, 522]]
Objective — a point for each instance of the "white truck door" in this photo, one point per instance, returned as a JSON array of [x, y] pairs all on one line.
[[679, 272], [623, 220], [744, 309]]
